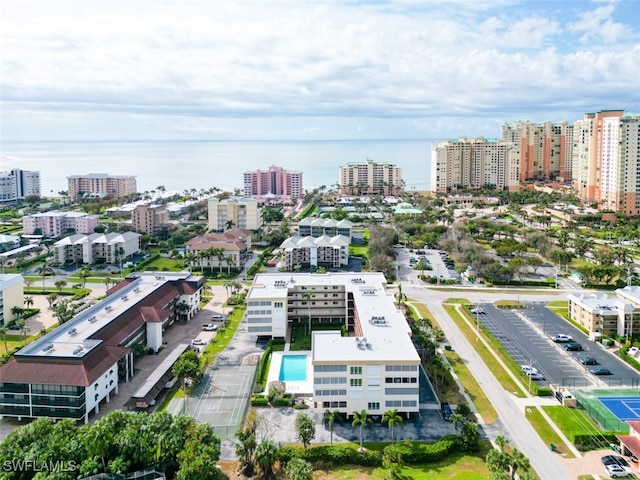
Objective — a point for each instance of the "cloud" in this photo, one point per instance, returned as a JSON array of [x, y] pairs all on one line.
[[197, 67]]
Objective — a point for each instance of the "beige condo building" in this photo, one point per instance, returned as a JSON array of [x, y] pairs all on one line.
[[101, 185], [149, 218], [474, 163], [233, 214], [370, 178]]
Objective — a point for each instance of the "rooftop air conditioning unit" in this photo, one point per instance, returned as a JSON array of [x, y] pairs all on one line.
[[48, 346], [73, 331], [77, 350]]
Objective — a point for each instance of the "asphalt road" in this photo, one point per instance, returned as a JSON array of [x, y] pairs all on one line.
[[513, 424]]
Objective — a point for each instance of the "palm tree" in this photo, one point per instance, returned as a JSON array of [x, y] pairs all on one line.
[[188, 260], [23, 330], [182, 309], [391, 418], [45, 270], [219, 252], [308, 295], [17, 311], [456, 419], [230, 224], [331, 417], [227, 285], [52, 298], [3, 332], [229, 259], [60, 284], [108, 281], [361, 418], [28, 301], [266, 456]]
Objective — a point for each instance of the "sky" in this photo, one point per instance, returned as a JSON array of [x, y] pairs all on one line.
[[298, 70]]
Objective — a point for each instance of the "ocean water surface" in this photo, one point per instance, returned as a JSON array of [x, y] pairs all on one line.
[[180, 165]]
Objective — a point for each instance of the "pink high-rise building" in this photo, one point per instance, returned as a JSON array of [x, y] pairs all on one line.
[[275, 185]]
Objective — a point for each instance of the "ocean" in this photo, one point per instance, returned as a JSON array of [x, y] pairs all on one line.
[[182, 165]]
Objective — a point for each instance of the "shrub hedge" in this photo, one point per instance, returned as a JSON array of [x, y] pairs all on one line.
[[261, 378], [332, 455], [586, 442], [409, 452]]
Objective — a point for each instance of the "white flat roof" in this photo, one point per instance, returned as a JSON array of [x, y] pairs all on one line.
[[72, 338], [386, 333], [600, 303]]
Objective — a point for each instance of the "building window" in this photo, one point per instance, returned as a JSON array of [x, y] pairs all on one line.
[[356, 370], [356, 382], [373, 406]]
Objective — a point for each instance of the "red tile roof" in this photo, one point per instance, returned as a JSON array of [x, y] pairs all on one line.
[[82, 372], [631, 442]]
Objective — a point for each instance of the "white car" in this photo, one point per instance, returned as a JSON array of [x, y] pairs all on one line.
[[534, 375], [210, 327], [562, 338], [198, 341], [618, 471], [528, 369]]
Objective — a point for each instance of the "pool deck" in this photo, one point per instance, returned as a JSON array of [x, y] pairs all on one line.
[[299, 388]]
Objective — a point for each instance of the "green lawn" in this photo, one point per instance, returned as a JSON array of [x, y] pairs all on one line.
[[546, 432], [300, 337], [572, 421], [487, 356], [464, 467], [223, 337]]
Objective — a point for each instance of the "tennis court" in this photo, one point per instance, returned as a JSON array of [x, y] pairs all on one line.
[[610, 408], [222, 398], [625, 408]]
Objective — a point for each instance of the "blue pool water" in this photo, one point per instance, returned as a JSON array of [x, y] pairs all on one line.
[[293, 368]]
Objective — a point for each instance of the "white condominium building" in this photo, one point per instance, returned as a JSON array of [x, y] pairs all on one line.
[[370, 178], [233, 213], [474, 163], [545, 149], [109, 248], [55, 223], [606, 160], [374, 368], [18, 184], [11, 296], [101, 185]]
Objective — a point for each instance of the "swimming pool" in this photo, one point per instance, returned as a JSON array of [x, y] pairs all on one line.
[[293, 368]]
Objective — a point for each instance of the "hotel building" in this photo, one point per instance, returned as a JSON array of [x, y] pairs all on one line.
[[370, 178], [474, 163], [545, 149], [233, 213], [374, 368], [101, 185], [18, 184], [606, 160], [276, 185], [149, 218], [70, 371], [53, 224]]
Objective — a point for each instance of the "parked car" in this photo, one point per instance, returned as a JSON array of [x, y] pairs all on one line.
[[534, 375], [477, 310], [600, 371], [217, 316], [198, 341], [614, 459], [616, 471], [210, 327], [562, 338], [528, 368], [573, 347], [446, 411], [588, 361]]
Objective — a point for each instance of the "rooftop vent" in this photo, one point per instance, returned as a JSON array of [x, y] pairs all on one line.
[[92, 319], [72, 332], [47, 347], [77, 350], [124, 298], [136, 290], [108, 308]]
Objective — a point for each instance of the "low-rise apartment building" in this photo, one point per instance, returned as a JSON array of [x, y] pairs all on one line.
[[55, 223], [11, 296], [324, 251], [374, 368], [221, 251], [109, 248], [72, 370], [318, 227], [599, 313]]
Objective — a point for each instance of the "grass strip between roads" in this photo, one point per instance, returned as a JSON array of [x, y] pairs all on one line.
[[572, 421], [546, 432], [473, 389], [488, 356]]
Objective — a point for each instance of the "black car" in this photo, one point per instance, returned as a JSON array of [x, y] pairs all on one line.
[[601, 371], [573, 347], [614, 460], [446, 411], [588, 361]]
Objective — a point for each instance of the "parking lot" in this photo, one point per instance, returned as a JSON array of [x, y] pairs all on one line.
[[408, 259], [527, 335]]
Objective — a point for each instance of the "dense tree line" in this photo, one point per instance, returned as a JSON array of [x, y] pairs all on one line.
[[117, 443]]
